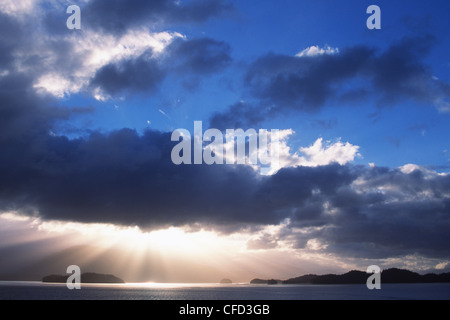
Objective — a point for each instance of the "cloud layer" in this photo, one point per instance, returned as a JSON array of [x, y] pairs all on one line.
[[316, 78], [126, 178]]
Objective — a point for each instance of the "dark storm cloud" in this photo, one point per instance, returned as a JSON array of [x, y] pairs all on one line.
[[8, 40], [141, 74], [128, 179], [304, 83], [395, 226], [116, 16], [308, 83], [356, 74], [395, 229], [185, 58], [25, 114], [390, 213]]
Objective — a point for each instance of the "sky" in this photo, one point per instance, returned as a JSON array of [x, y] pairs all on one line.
[[87, 117]]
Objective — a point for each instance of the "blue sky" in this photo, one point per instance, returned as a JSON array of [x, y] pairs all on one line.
[[407, 131], [86, 118]]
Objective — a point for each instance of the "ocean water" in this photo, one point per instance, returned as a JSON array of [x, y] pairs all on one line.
[[10, 290]]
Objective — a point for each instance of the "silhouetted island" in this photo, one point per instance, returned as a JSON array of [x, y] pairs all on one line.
[[258, 281], [85, 278], [270, 282], [226, 281], [393, 275]]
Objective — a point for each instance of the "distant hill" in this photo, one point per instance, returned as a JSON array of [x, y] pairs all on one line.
[[261, 281], [258, 281], [352, 277], [393, 275], [85, 278], [226, 281]]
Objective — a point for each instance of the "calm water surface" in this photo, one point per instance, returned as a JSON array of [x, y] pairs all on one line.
[[39, 291]]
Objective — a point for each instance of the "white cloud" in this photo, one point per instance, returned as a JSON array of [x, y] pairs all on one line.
[[57, 85], [91, 51], [318, 154], [314, 51], [101, 49]]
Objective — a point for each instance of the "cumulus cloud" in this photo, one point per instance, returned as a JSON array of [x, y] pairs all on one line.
[[191, 58], [382, 213], [303, 83], [135, 61], [319, 155], [64, 62], [99, 62]]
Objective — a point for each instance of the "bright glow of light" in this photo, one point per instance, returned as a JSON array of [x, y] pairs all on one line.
[[176, 255], [107, 235], [169, 255]]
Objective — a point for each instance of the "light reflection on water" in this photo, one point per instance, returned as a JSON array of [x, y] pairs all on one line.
[[201, 291]]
